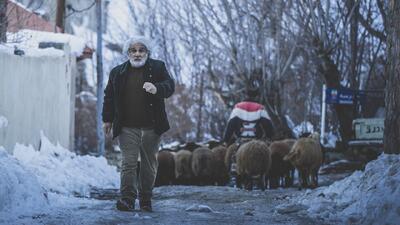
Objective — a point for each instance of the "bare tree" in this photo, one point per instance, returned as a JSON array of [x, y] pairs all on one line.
[[292, 47], [339, 47], [392, 93]]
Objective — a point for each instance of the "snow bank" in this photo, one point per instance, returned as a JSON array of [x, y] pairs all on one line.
[[20, 191], [368, 197], [64, 172], [3, 122]]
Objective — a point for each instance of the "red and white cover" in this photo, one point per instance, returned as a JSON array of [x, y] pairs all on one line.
[[249, 111]]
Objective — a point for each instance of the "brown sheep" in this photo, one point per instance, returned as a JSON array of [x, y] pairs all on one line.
[[281, 172], [166, 168], [183, 167], [306, 156], [213, 144], [221, 175], [253, 159], [203, 166], [230, 154]]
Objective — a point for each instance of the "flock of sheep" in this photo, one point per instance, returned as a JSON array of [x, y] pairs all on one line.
[[268, 164]]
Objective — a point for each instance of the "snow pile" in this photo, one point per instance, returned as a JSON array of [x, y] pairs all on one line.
[[3, 122], [330, 140], [368, 197], [86, 96], [304, 127], [62, 171], [20, 191]]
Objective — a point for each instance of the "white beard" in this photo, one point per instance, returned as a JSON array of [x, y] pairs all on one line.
[[137, 64]]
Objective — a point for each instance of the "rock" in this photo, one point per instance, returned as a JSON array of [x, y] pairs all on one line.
[[249, 213], [341, 166]]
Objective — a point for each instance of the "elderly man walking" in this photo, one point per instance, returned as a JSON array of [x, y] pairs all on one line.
[[134, 110]]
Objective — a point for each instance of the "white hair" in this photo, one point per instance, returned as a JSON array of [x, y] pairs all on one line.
[[137, 39]]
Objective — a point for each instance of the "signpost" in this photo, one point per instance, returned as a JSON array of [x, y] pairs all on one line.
[[343, 96]]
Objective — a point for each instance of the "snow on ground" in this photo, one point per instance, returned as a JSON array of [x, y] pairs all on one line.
[[62, 171], [366, 197], [3, 122], [20, 190]]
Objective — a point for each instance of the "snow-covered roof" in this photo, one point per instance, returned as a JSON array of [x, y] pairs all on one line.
[[21, 5], [28, 40]]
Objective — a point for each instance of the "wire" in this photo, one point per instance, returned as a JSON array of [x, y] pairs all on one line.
[[69, 7]]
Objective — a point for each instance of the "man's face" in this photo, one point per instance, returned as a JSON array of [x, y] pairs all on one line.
[[137, 52]]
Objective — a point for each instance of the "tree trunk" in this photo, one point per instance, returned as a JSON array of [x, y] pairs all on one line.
[[201, 104], [3, 21], [353, 8], [391, 141], [332, 78], [273, 102]]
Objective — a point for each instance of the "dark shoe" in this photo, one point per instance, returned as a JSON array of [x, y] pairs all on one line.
[[125, 204], [145, 205]]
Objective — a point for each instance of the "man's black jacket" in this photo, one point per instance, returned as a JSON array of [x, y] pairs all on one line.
[[154, 72]]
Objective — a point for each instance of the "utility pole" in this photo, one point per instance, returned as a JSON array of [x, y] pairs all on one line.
[[99, 60]]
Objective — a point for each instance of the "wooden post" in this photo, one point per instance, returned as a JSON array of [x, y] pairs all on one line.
[[60, 14]]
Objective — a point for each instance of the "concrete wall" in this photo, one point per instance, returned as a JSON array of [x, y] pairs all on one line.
[[37, 93]]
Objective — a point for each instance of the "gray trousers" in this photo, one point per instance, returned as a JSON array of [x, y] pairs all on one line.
[[132, 141]]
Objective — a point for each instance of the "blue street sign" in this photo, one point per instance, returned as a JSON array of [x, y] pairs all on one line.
[[348, 96], [341, 96]]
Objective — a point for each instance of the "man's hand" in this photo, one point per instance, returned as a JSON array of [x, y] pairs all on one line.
[[107, 128], [149, 87]]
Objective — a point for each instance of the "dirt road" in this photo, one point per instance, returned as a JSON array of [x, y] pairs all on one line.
[[178, 205]]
